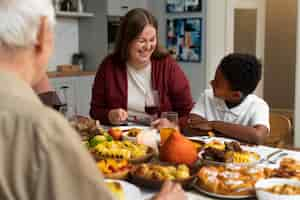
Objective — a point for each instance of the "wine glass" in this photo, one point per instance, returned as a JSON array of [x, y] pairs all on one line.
[[152, 103]]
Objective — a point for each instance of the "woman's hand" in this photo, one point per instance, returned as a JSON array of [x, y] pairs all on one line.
[[170, 191], [117, 116]]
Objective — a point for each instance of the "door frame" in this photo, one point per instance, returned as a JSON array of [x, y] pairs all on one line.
[[260, 5]]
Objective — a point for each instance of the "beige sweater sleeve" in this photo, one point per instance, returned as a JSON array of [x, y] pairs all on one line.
[[66, 168]]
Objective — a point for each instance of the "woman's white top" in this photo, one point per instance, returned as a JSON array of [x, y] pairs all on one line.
[[139, 81]]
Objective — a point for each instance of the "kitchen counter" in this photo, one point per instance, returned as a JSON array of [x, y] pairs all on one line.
[[55, 74]]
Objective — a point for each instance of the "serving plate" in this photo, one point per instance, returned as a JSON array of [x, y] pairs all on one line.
[[130, 190], [221, 196]]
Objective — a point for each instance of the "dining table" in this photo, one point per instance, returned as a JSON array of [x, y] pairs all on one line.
[[192, 194]]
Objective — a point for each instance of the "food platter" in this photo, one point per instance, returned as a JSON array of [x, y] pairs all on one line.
[[145, 158], [228, 152]]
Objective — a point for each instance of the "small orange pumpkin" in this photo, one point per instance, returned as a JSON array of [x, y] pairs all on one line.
[[178, 149]]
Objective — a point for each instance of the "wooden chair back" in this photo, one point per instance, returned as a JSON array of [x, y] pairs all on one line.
[[280, 131]]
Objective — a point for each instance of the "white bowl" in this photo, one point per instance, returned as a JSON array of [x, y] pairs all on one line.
[[268, 183]]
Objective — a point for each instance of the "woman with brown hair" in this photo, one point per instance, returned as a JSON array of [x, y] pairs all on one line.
[[137, 65]]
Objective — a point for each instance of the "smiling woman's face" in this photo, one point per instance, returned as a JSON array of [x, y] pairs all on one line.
[[142, 47]]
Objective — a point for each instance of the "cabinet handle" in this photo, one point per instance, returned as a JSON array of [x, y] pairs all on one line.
[[64, 87], [124, 7]]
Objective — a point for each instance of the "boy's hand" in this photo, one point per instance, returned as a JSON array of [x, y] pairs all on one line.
[[200, 123], [203, 126], [195, 119]]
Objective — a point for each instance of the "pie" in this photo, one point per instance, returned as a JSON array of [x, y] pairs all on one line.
[[231, 181]]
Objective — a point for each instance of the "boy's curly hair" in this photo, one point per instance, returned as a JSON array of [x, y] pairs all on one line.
[[243, 71]]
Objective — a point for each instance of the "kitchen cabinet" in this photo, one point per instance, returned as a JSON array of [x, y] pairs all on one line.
[[121, 7], [79, 92]]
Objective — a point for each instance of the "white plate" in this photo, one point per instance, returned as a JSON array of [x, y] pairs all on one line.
[[221, 196], [154, 132], [207, 139], [131, 191]]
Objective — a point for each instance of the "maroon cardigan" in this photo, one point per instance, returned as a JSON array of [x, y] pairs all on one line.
[[110, 87]]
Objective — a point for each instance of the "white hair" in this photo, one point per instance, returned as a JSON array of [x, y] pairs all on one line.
[[20, 21]]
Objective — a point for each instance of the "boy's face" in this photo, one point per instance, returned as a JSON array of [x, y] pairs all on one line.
[[222, 89]]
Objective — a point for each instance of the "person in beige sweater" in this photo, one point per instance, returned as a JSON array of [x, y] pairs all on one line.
[[41, 156]]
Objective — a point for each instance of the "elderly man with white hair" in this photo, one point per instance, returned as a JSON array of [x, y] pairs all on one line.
[[41, 156]]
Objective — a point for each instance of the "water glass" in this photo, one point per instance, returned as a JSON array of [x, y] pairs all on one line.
[[171, 116]]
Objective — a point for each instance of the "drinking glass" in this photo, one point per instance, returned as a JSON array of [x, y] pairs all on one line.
[[171, 116], [152, 103], [66, 108]]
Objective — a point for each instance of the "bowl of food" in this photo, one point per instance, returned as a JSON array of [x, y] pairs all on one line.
[[278, 189], [152, 175]]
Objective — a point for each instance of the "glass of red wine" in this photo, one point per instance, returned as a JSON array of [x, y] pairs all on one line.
[[152, 103]]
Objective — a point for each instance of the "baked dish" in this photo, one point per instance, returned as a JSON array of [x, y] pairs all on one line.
[[289, 168], [230, 181], [152, 175], [228, 152], [114, 169], [116, 189], [127, 150]]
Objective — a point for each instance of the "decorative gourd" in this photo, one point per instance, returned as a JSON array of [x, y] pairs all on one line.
[[178, 149]]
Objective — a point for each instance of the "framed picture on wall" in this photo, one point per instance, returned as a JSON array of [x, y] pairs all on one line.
[[184, 40], [175, 6], [193, 5]]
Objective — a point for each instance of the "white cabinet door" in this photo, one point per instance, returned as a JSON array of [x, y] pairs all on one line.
[[83, 91], [68, 82]]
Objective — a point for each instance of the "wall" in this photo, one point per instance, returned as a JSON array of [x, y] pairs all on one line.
[[195, 72], [66, 42], [280, 57], [297, 83]]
